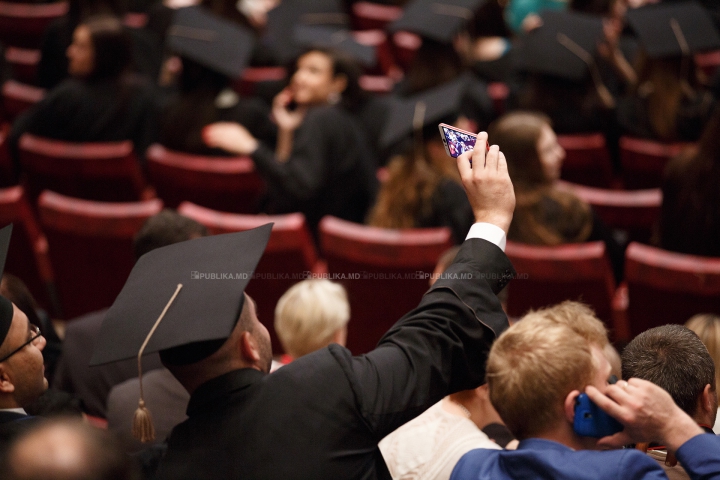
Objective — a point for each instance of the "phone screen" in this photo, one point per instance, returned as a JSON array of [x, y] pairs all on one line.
[[457, 141]]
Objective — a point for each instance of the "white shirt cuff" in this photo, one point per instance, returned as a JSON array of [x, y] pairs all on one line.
[[490, 232]]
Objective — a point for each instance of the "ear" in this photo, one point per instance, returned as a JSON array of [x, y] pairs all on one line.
[[483, 392], [6, 384], [339, 83], [249, 347], [569, 405], [708, 400]]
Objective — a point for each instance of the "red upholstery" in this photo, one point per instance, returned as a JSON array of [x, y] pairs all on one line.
[[28, 253], [225, 184], [667, 287], [498, 92], [371, 253], [549, 275], [635, 211], [18, 97], [106, 171], [587, 161], [369, 16], [91, 247], [248, 82], [23, 24], [289, 256], [708, 62], [643, 161], [23, 62], [7, 175], [405, 44]]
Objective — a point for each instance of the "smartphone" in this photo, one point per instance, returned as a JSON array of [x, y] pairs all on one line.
[[457, 141], [591, 421]]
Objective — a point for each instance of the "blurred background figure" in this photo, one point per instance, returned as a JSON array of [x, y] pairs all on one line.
[[707, 327]]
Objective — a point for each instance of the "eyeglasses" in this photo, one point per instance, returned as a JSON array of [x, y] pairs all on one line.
[[34, 334]]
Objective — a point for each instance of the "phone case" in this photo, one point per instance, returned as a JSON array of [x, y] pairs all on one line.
[[455, 147], [591, 421]]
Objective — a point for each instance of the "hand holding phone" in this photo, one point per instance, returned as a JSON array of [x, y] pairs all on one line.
[[591, 421], [457, 141]]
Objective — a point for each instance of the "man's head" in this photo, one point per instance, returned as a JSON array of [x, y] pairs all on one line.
[[539, 365], [166, 228], [248, 346], [674, 358], [22, 371]]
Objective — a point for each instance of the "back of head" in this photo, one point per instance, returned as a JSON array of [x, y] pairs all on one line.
[[674, 358], [539, 360], [309, 315], [112, 47], [517, 134], [166, 228], [67, 450]]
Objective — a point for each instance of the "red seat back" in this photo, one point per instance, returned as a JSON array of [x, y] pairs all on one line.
[[587, 160], [7, 173], [371, 16], [105, 171], [405, 45], [667, 287], [18, 97], [90, 246], [385, 271], [252, 77], [225, 184], [23, 24], [634, 211], [28, 253], [549, 275], [289, 256], [643, 161], [23, 62]]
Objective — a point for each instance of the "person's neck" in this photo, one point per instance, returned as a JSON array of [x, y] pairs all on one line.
[[563, 433], [8, 402]]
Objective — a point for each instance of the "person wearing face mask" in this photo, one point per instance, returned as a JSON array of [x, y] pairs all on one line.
[[545, 214], [101, 102], [321, 164]]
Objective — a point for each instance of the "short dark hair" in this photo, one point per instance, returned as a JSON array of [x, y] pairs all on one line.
[[112, 47], [674, 358], [166, 228]]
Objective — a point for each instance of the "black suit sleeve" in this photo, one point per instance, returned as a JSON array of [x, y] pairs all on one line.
[[439, 348]]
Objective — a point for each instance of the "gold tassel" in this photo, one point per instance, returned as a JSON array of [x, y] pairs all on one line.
[[142, 428]]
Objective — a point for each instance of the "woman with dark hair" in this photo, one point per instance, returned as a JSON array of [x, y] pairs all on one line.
[[321, 165], [690, 213], [544, 214], [101, 102]]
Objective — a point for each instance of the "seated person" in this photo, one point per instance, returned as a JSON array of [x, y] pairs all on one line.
[[674, 358], [311, 315], [537, 369], [707, 327], [544, 214], [101, 102]]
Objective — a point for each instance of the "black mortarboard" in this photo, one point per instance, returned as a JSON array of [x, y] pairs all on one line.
[[6, 307], [433, 106], [212, 41], [290, 14], [437, 20], [674, 29], [564, 46], [213, 272], [340, 39]]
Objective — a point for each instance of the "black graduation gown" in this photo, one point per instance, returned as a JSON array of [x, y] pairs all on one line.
[[449, 208], [329, 172], [322, 416], [12, 425]]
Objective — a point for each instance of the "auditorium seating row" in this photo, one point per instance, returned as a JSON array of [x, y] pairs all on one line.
[[75, 255]]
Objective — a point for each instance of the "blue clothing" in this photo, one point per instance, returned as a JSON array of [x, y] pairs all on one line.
[[538, 458]]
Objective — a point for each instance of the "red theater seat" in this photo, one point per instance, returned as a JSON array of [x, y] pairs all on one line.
[[643, 161], [221, 183], [386, 272], [7, 173], [370, 16], [667, 287], [23, 62], [634, 211], [28, 253], [405, 44], [289, 256], [588, 160], [105, 171], [23, 24], [549, 275], [252, 77], [90, 246], [18, 97]]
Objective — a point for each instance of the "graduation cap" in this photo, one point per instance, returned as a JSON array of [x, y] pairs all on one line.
[[564, 46], [182, 300], [6, 306], [210, 40], [437, 20], [290, 14], [674, 29], [426, 109], [340, 39]]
